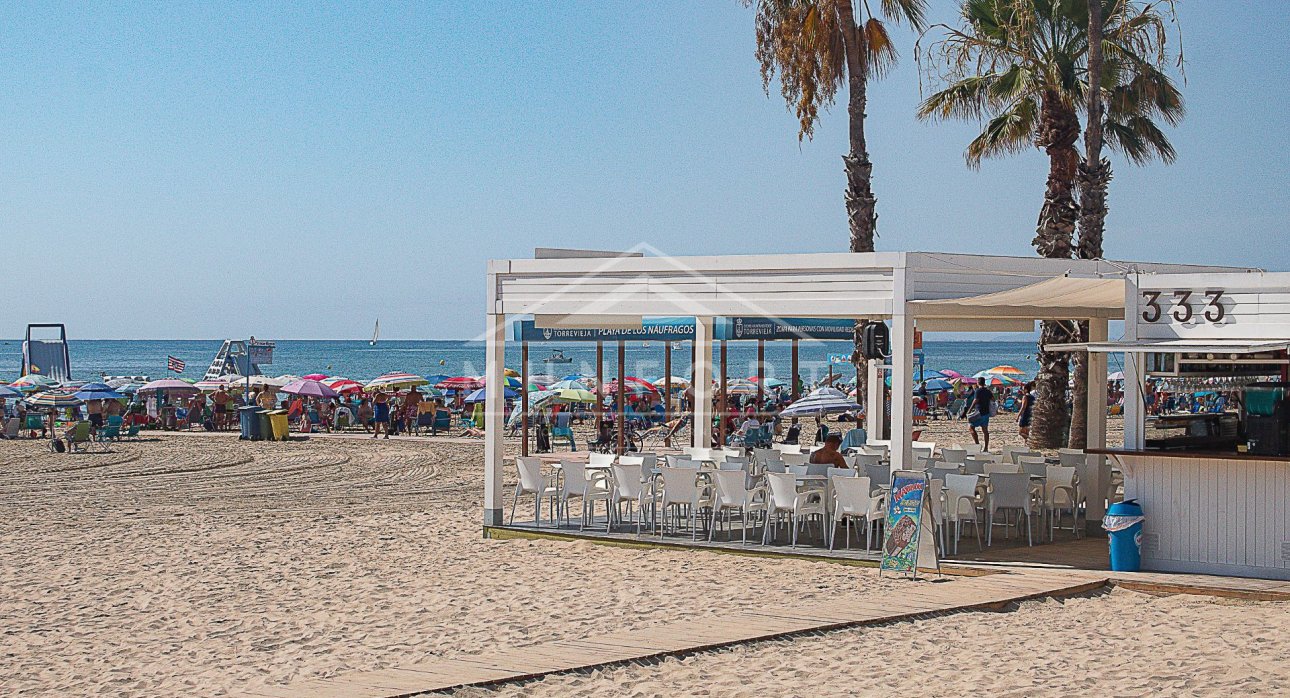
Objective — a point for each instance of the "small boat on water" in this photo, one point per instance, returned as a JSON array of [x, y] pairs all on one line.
[[376, 333], [557, 357]]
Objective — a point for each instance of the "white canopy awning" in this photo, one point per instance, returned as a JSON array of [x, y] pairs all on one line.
[[1178, 346], [1062, 298]]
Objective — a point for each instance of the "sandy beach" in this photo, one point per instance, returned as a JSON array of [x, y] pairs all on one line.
[[200, 565]]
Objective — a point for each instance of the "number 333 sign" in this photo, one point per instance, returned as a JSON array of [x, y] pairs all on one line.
[[1185, 306]]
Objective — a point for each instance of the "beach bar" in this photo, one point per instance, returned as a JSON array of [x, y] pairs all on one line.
[[1213, 479], [911, 290]]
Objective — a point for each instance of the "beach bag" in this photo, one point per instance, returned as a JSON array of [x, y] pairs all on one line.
[[994, 408]]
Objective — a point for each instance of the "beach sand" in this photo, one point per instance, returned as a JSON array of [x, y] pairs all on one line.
[[200, 565]]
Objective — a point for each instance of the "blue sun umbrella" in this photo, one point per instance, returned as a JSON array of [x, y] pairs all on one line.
[[97, 391], [479, 395], [6, 391]]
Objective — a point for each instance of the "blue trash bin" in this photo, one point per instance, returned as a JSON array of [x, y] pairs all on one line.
[[249, 420], [1123, 524]]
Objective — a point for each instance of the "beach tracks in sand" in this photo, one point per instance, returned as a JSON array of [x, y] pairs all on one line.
[[155, 480], [915, 601]]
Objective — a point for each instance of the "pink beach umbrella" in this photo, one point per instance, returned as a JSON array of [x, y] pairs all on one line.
[[309, 388], [169, 384], [460, 383], [315, 377], [344, 386]]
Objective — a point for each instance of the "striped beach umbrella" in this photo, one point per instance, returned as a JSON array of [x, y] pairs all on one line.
[[1007, 370], [633, 387], [344, 386], [820, 402], [169, 385], [309, 388], [574, 395], [31, 383], [53, 400], [396, 380]]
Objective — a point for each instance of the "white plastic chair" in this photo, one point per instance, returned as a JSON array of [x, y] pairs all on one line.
[[1071, 457], [533, 482], [960, 505], [842, 472], [921, 452], [794, 458], [1061, 494], [1005, 468], [628, 489], [682, 496], [975, 465], [853, 499], [863, 459], [1010, 491], [953, 455], [972, 449], [589, 486], [1033, 465], [879, 451], [797, 470], [730, 495], [631, 460], [879, 475], [783, 497], [601, 459], [925, 463], [787, 448], [1012, 455]]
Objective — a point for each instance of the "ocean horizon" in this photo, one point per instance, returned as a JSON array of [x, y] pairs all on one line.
[[92, 358]]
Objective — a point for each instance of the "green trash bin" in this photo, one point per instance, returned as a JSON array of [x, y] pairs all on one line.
[[263, 416], [278, 425]]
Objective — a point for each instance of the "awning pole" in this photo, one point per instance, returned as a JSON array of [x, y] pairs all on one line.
[[524, 396], [794, 370], [622, 398], [761, 377], [725, 405], [667, 382], [600, 385]]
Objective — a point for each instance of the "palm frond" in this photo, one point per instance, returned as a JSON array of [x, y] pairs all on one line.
[[1009, 133], [879, 52]]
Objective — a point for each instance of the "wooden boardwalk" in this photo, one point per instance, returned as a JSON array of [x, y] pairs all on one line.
[[692, 635]]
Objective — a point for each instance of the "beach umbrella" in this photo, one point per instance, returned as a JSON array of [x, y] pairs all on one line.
[[460, 383], [32, 383], [344, 386], [740, 387], [820, 402], [437, 378], [510, 372], [575, 377], [396, 380], [129, 388], [1000, 381], [950, 373], [97, 391], [315, 376], [509, 381], [169, 385], [479, 395], [6, 391], [55, 400], [1116, 376], [544, 379], [286, 378], [632, 387], [1007, 370], [770, 382], [936, 385], [211, 386], [309, 388], [574, 395], [536, 401], [567, 385], [430, 391]]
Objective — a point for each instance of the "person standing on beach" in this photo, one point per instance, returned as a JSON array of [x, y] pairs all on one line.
[[220, 400], [1024, 414], [380, 414], [979, 413]]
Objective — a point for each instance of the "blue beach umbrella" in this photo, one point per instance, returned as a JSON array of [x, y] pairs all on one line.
[[437, 378], [97, 391], [478, 395], [6, 391]]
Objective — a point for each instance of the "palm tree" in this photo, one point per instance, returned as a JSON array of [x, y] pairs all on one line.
[[1020, 65], [813, 46], [1094, 173]]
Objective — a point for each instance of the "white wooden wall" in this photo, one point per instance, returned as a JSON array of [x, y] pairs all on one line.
[[1212, 515], [1255, 306]]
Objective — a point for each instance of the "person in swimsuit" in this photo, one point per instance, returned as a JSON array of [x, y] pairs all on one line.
[[1026, 412], [380, 414], [828, 454]]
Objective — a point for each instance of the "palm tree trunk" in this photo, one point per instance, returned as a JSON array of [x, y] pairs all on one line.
[[861, 203], [1054, 238], [1094, 177]]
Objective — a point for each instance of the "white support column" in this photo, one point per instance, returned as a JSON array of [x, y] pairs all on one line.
[[1134, 411], [902, 390], [873, 400], [701, 430], [1098, 472], [494, 410]]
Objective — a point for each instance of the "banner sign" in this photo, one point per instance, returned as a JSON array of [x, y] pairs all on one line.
[[909, 525], [662, 329], [784, 328], [261, 353]]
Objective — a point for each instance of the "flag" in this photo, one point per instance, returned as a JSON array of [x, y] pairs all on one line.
[[174, 364]]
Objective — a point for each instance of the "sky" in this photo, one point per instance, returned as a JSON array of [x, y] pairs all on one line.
[[296, 170]]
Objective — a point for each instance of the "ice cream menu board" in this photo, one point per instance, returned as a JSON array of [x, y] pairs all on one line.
[[906, 536]]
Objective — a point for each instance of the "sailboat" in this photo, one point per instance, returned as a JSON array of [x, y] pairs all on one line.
[[376, 333]]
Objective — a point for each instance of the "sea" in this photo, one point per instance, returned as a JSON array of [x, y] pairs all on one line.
[[91, 359]]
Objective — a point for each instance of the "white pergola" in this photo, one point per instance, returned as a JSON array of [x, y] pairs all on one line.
[[924, 290]]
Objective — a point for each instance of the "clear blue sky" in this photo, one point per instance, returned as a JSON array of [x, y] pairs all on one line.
[[294, 170]]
